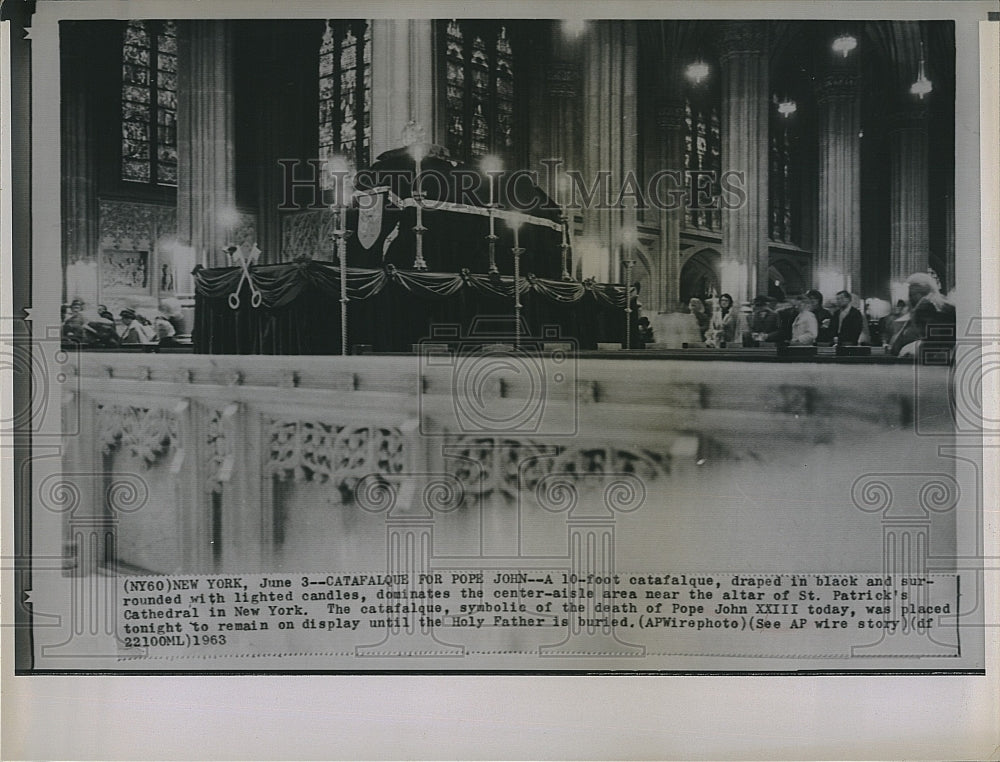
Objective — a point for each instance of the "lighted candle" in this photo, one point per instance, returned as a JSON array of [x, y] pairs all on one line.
[[565, 187], [418, 156], [491, 166]]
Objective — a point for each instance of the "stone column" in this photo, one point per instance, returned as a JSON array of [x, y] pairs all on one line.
[[745, 149], [670, 130], [403, 81], [610, 137], [206, 199], [562, 94], [908, 195], [838, 248], [79, 171]]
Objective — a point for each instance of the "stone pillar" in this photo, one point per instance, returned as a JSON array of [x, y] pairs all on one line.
[[610, 137], [670, 130], [206, 199], [908, 195], [403, 81], [79, 171], [838, 247], [745, 149], [562, 96]]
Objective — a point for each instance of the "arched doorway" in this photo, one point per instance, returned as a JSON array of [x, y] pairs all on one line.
[[700, 275], [784, 279]]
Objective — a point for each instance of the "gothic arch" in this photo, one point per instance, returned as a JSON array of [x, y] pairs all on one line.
[[786, 275], [700, 274]]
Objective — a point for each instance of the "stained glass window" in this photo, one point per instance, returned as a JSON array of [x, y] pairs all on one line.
[[784, 179], [345, 92], [480, 102], [702, 153], [149, 102]]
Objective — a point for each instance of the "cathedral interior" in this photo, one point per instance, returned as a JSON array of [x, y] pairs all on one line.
[[746, 158]]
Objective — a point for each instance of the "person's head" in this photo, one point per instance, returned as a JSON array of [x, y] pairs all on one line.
[[760, 302], [900, 306], [801, 302], [127, 315], [815, 298], [643, 321], [842, 299], [695, 305], [921, 285], [76, 306], [726, 301], [162, 327]]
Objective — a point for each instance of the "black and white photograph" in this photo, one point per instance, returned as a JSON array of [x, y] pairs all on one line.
[[641, 340]]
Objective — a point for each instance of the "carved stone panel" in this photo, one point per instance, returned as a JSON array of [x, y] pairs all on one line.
[[341, 455], [145, 433]]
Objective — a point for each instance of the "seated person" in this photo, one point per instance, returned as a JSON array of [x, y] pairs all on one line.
[[133, 331], [170, 309], [74, 324], [164, 332], [893, 323], [932, 318]]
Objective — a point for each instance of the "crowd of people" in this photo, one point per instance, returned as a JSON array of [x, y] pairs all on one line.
[[100, 328], [809, 320]]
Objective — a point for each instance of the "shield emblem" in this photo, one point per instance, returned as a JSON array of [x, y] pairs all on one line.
[[370, 218]]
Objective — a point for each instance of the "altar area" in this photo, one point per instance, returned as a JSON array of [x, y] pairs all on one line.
[[392, 310], [430, 248]]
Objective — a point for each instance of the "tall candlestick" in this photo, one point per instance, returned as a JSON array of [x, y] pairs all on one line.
[[628, 302], [492, 238], [515, 223], [418, 262], [341, 233], [564, 246], [491, 167], [517, 292]]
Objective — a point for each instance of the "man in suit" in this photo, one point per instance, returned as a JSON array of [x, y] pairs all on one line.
[[846, 324]]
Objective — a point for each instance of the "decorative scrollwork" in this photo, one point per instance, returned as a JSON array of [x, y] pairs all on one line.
[[505, 465], [145, 433], [343, 455], [645, 464], [220, 450]]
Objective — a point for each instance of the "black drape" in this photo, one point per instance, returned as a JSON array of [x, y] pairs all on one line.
[[391, 309]]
